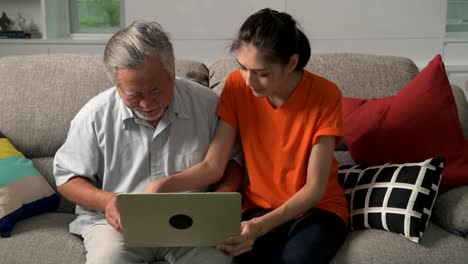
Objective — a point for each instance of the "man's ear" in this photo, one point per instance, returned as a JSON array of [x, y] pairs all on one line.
[[293, 60]]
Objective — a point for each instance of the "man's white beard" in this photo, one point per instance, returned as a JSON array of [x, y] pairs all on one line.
[[147, 117]]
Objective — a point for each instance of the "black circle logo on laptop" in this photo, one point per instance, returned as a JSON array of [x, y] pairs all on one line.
[[181, 221]]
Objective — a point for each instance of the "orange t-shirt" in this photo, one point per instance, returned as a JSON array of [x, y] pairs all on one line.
[[277, 142]]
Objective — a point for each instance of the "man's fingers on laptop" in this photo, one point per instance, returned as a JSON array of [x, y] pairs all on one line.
[[113, 223], [113, 219], [112, 213], [119, 223]]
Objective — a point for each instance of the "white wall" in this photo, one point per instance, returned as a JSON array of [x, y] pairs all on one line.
[[412, 28], [202, 29]]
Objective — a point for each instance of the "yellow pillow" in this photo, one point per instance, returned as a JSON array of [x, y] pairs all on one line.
[[23, 190]]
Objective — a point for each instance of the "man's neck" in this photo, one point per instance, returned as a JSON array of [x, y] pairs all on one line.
[[154, 123]]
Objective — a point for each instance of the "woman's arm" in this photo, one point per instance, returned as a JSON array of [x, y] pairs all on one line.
[[232, 179], [207, 172], [318, 172]]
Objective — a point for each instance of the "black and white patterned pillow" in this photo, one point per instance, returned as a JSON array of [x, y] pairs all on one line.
[[393, 197]]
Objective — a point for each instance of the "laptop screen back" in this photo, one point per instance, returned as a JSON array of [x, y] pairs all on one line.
[[179, 219]]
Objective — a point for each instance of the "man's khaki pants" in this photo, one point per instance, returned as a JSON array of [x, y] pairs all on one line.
[[104, 244]]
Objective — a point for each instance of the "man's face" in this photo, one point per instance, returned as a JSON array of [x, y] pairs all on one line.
[[147, 89]]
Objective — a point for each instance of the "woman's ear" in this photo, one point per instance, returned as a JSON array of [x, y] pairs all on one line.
[[293, 60]]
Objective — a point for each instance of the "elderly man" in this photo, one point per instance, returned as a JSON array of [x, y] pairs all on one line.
[[150, 125]]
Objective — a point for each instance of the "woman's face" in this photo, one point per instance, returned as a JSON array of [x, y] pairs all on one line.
[[263, 78]]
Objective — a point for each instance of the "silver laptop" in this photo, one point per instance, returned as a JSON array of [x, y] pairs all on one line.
[[179, 219]]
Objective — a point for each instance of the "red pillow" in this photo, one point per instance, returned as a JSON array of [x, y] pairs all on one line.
[[455, 171], [418, 123]]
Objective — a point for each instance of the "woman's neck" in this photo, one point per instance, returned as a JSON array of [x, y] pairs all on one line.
[[282, 96]]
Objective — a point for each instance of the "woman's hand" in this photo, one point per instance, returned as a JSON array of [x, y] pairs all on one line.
[[236, 245], [154, 186]]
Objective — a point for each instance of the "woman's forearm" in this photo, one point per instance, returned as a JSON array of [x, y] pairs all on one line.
[[299, 203], [197, 176]]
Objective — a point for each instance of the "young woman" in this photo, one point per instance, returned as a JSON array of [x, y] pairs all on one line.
[[289, 121]]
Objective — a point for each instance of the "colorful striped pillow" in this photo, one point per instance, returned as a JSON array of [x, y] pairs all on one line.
[[23, 190]]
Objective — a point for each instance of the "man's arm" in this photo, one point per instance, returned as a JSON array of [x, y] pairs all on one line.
[[232, 179], [82, 192]]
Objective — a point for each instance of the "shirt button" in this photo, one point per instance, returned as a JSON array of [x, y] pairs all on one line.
[[156, 166]]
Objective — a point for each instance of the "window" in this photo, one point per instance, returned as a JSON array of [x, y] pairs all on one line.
[[457, 16], [95, 16]]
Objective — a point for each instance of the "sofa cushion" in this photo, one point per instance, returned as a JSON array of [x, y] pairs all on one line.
[[366, 75], [43, 239], [192, 70], [420, 122], [344, 157], [23, 190], [393, 197], [42, 93], [372, 246], [462, 108], [465, 90], [450, 211]]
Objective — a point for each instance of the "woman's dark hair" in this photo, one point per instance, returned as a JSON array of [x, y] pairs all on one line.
[[276, 35]]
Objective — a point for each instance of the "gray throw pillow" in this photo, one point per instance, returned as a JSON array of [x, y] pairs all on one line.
[[450, 211]]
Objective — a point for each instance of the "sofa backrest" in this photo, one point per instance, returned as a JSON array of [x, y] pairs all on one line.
[[40, 94], [466, 89], [357, 75]]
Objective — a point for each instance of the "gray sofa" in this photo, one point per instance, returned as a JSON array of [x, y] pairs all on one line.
[[40, 94], [466, 89]]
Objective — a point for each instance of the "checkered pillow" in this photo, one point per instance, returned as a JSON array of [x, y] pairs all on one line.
[[393, 197]]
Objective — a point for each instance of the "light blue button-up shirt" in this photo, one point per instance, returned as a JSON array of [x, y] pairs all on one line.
[[118, 152]]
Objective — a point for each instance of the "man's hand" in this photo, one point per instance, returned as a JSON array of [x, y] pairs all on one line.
[[112, 213], [236, 245]]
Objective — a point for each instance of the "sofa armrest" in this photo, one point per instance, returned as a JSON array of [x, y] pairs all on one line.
[[462, 107], [451, 211], [466, 90]]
